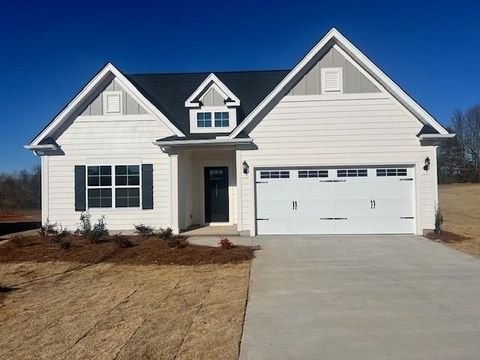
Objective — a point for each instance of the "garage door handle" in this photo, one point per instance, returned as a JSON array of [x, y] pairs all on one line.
[[374, 204], [293, 205], [296, 205]]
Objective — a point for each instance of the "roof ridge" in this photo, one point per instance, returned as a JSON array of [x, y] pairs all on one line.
[[209, 72]]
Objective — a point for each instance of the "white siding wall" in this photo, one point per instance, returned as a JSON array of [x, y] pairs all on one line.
[[314, 131], [109, 139]]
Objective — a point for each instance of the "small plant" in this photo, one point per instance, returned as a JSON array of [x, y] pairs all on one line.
[[438, 221], [165, 234], [95, 232], [144, 230], [122, 241], [178, 241], [48, 228], [225, 244]]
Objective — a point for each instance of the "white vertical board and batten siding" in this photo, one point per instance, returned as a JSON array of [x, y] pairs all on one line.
[[356, 131], [110, 139]]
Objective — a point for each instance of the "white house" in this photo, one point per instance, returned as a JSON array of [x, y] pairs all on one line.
[[330, 146]]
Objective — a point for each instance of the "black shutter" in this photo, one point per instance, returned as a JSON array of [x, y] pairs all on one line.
[[80, 188], [147, 186]]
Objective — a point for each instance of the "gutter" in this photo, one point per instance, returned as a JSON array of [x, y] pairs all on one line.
[[224, 141]]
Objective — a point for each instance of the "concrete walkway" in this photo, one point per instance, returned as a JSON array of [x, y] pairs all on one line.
[[361, 297]]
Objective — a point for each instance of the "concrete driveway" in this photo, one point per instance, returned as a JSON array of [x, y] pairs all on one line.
[[361, 297]]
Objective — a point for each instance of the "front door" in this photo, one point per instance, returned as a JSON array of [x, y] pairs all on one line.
[[216, 194]]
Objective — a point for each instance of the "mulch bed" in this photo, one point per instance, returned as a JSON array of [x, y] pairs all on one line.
[[446, 237], [146, 251]]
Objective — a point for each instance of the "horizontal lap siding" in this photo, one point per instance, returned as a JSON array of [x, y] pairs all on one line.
[[112, 140], [338, 132]]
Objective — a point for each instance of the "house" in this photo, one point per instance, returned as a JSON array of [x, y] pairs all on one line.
[[330, 146]]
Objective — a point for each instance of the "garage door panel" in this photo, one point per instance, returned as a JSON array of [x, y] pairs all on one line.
[[336, 201]]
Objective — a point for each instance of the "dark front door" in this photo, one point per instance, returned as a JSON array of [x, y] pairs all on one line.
[[216, 194]]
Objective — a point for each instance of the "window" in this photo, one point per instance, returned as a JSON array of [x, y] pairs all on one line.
[[127, 186], [112, 102], [204, 119], [312, 173], [332, 80], [274, 174], [222, 119], [99, 183], [391, 172], [100, 187], [352, 173]]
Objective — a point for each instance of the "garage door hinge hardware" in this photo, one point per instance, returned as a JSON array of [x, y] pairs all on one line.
[[261, 182], [333, 218], [407, 217], [407, 179], [332, 181], [262, 219]]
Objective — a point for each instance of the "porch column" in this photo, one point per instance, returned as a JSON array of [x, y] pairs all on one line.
[[174, 192], [239, 168]]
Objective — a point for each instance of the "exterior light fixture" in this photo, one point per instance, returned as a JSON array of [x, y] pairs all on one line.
[[246, 167], [426, 167]]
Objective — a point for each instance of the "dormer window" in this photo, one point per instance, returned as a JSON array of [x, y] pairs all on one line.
[[204, 119], [213, 107]]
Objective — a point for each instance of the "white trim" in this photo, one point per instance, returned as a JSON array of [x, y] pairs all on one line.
[[221, 141], [105, 96], [436, 136], [232, 120], [108, 69], [190, 102], [45, 188], [335, 35], [41, 147], [323, 77], [174, 198], [239, 174], [110, 118]]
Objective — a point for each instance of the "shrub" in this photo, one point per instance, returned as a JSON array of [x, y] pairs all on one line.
[[122, 241], [95, 232], [438, 221], [178, 242], [48, 228], [165, 234], [144, 230], [225, 244]]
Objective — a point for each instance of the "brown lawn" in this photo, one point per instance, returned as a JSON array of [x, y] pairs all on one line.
[[460, 206], [98, 301]]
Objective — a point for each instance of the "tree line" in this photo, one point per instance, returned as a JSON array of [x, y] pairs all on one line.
[[20, 190], [459, 157]]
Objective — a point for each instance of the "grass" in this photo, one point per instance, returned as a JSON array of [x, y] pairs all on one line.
[[103, 301], [460, 205]]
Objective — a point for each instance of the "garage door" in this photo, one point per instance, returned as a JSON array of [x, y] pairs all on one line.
[[357, 200]]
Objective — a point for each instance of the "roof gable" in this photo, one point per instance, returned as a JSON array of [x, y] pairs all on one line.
[[212, 83], [76, 105], [364, 65]]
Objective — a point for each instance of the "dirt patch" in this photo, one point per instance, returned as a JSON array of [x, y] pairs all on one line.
[[146, 251], [114, 311], [446, 237], [460, 206]]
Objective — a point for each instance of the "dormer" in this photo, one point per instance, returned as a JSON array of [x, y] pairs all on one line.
[[212, 107]]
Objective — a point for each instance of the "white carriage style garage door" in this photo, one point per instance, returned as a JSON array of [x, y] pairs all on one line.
[[358, 200]]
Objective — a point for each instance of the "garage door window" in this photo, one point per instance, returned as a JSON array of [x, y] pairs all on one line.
[[274, 174], [391, 172], [352, 173], [312, 174]]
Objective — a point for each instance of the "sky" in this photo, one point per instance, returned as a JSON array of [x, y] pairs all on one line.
[[50, 49]]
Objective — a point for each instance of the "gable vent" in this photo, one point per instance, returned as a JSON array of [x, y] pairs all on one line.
[[332, 80], [112, 102]]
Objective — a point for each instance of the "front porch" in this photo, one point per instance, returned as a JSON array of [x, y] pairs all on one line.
[[205, 191]]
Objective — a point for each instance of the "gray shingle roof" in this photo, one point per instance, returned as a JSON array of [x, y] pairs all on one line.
[[168, 92]]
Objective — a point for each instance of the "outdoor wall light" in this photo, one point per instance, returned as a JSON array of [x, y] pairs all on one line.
[[426, 167], [246, 167]]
